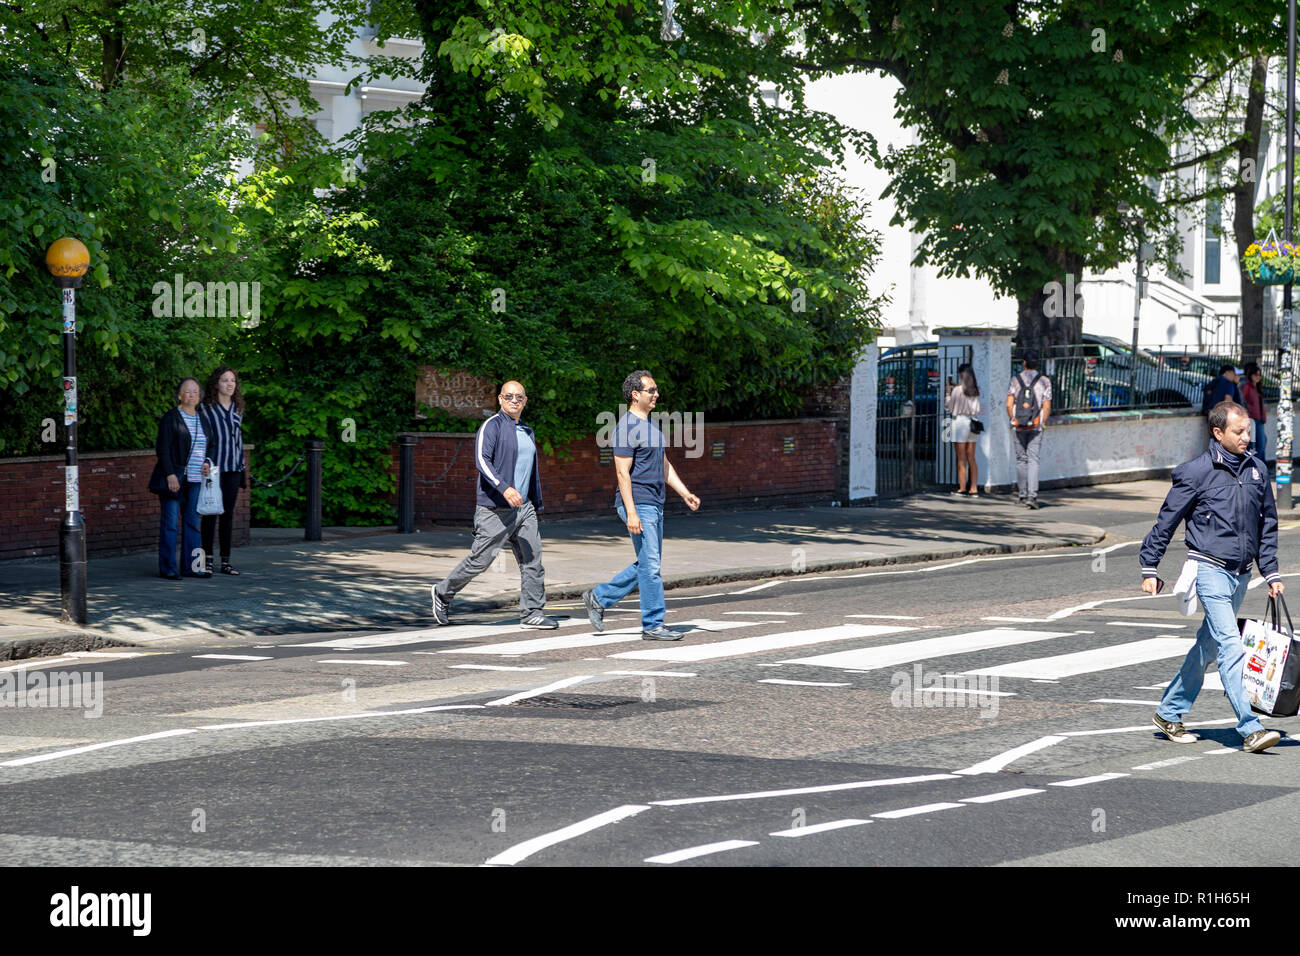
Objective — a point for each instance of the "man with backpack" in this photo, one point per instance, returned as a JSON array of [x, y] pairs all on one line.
[[1222, 389], [1029, 403]]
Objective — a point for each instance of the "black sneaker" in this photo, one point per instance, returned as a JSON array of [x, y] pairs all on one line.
[[440, 607], [1260, 740], [595, 613], [538, 619], [1174, 730]]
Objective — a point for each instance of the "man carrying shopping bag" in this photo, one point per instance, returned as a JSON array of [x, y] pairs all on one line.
[[1225, 497]]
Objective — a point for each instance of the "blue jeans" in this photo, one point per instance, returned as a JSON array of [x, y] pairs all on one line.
[[643, 573], [185, 504], [1261, 441], [1221, 593]]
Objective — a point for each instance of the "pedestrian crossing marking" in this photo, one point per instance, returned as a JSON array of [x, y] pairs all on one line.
[[592, 639], [1097, 659], [906, 652], [766, 642], [818, 828], [451, 632], [1212, 682]]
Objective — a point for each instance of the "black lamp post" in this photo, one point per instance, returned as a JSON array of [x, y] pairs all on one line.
[[1284, 413], [68, 260]]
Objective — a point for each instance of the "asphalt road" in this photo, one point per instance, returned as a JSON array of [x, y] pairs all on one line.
[[797, 723]]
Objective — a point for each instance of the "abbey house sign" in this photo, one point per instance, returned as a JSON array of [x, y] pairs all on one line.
[[459, 394]]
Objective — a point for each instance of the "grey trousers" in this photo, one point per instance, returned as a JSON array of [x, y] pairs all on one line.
[[493, 527], [1028, 444]]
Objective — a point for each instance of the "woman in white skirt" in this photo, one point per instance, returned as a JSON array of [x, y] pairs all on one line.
[[963, 403]]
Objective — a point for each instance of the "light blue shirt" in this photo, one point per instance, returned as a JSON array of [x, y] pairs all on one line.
[[524, 460]]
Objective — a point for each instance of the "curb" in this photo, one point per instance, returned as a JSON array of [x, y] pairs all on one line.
[[29, 647]]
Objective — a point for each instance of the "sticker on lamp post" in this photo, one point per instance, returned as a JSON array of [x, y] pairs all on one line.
[[71, 489], [69, 311], [70, 400]]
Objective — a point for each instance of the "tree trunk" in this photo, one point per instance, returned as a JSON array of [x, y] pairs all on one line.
[[1243, 216], [114, 46], [1052, 317]]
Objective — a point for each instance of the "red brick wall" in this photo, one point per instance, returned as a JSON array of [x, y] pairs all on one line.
[[121, 513], [754, 470]]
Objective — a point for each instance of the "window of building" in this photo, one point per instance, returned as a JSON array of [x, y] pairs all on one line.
[[1213, 241]]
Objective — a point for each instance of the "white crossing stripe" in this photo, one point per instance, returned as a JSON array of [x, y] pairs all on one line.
[[1159, 627], [1084, 780], [887, 617], [451, 632], [802, 683], [1004, 795], [767, 642], [1124, 700], [818, 828], [493, 667], [891, 655], [650, 673], [1168, 763], [913, 811], [231, 657], [1212, 682], [766, 613], [592, 639], [691, 852], [1098, 659], [349, 660]]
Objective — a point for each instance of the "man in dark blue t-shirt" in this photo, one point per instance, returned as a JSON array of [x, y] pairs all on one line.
[[643, 472]]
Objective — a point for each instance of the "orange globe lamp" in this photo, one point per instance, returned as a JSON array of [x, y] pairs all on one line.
[[68, 259]]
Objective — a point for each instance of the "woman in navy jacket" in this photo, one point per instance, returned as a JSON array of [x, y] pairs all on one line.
[[181, 448]]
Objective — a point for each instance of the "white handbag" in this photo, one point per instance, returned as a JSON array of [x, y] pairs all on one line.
[[210, 502]]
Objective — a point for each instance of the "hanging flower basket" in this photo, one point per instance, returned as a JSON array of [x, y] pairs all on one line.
[[1272, 262]]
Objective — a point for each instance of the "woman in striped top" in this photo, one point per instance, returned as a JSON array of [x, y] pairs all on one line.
[[223, 416], [181, 449]]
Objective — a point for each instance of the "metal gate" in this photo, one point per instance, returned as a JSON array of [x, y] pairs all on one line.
[[913, 453]]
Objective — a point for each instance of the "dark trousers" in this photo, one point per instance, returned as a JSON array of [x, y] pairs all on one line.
[[226, 520]]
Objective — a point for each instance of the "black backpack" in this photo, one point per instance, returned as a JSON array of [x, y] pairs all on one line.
[[1027, 407]]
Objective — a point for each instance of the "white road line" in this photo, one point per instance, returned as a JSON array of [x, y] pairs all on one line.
[[802, 683], [889, 617], [965, 561], [112, 654], [651, 673], [1016, 620], [232, 657], [940, 689], [23, 761], [767, 642], [350, 660], [1164, 627], [1212, 682], [1170, 762], [1004, 795], [818, 828], [1148, 727], [996, 763], [592, 639], [536, 691], [522, 851], [493, 667], [768, 613], [244, 725], [756, 587], [1081, 781], [905, 652], [450, 632], [1123, 700], [35, 663], [799, 791], [691, 852], [1097, 659], [1221, 750], [913, 811]]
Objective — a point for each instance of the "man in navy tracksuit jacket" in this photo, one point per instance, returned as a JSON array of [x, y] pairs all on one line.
[[506, 456], [1225, 497]]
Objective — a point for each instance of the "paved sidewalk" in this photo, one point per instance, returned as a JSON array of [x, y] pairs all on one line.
[[375, 577]]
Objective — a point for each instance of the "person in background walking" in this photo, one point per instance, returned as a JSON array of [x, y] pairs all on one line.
[[223, 415], [1222, 389], [1254, 402], [181, 448], [1029, 403], [643, 473], [963, 403], [509, 497]]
